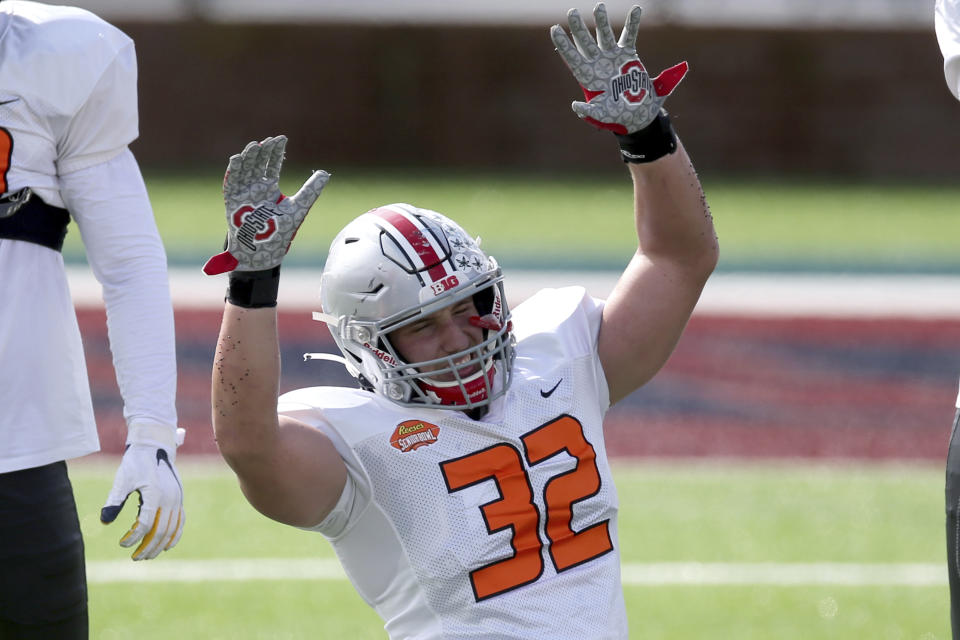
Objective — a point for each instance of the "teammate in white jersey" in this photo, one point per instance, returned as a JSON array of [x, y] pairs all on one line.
[[465, 486], [68, 110], [947, 27]]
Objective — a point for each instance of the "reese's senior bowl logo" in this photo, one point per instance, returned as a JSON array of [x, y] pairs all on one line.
[[412, 434]]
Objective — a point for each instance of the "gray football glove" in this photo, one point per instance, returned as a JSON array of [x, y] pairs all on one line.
[[620, 95], [261, 221]]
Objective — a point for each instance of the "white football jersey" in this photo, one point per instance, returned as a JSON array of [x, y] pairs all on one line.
[[68, 94], [500, 528], [68, 109], [947, 26]]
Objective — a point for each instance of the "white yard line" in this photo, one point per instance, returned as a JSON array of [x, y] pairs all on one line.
[[212, 570], [922, 296], [785, 574], [634, 574]]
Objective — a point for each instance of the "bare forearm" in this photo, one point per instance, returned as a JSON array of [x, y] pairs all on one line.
[[648, 309], [245, 384], [672, 216], [287, 470]]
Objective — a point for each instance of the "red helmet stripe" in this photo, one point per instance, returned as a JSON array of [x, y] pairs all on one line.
[[417, 238]]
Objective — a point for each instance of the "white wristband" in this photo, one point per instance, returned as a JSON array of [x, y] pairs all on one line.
[[158, 434]]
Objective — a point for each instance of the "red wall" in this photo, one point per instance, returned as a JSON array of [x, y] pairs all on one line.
[[839, 103]]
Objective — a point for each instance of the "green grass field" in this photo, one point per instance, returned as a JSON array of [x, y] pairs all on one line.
[[670, 513], [578, 221]]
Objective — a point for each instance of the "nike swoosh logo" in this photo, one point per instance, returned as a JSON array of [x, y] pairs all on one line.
[[162, 457], [8, 101], [547, 394]]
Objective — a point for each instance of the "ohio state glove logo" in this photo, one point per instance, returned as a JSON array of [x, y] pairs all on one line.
[[633, 83], [254, 225]]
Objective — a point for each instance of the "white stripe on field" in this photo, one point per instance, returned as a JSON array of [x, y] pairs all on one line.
[[864, 295], [785, 574], [635, 574]]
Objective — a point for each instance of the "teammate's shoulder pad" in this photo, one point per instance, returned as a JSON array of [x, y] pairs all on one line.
[[67, 28], [549, 308], [320, 398]]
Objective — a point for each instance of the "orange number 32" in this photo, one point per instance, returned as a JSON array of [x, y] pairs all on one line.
[[515, 510]]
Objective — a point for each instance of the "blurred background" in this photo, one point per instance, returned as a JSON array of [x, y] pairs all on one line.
[[824, 135], [848, 89]]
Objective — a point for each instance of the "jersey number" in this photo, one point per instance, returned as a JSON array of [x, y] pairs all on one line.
[[6, 153], [515, 510]]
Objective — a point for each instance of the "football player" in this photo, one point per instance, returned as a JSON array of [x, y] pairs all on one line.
[[68, 110], [947, 27], [465, 484]]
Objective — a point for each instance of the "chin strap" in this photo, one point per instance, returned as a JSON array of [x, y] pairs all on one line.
[[325, 356], [331, 321], [326, 318]]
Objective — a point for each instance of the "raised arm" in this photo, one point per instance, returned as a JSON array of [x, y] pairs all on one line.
[[649, 307], [289, 471], [677, 247]]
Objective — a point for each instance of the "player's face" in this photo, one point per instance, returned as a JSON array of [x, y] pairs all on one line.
[[442, 333]]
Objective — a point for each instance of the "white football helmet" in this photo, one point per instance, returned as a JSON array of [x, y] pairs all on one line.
[[393, 265]]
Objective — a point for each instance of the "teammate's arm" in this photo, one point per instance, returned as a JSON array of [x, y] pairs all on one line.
[[110, 205], [101, 186], [677, 246], [288, 470]]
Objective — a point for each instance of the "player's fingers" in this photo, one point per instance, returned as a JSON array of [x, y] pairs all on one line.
[[171, 524], [581, 35], [231, 179], [234, 177], [586, 110], [136, 533], [110, 512], [565, 48], [273, 150], [145, 516], [251, 163], [263, 155], [310, 190], [605, 37], [667, 81], [115, 501], [166, 534], [628, 37], [177, 532], [220, 263], [152, 543], [595, 117]]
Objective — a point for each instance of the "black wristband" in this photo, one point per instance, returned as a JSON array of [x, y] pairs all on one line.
[[254, 289], [651, 143]]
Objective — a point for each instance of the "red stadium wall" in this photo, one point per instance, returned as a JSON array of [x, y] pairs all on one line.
[[840, 103], [735, 386]]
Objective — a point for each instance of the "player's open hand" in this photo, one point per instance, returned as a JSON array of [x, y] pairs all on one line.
[[261, 221], [620, 95]]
